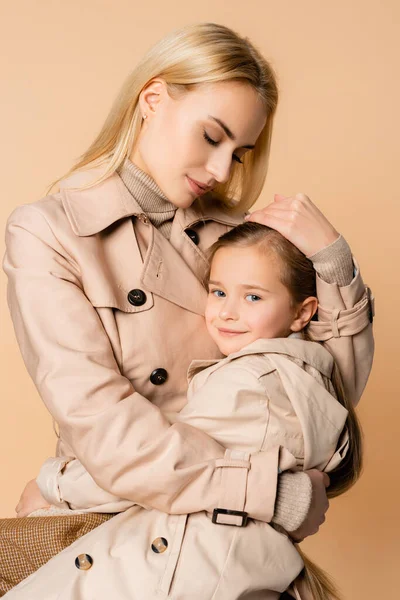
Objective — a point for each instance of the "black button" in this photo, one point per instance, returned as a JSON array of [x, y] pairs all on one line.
[[159, 545], [84, 562], [137, 297], [158, 376], [194, 236]]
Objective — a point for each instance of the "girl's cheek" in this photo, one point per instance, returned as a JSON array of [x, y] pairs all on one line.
[[209, 327], [208, 312]]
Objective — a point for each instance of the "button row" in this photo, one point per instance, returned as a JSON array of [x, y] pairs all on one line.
[[84, 562], [137, 298]]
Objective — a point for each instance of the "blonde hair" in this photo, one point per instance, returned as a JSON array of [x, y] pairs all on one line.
[[197, 54], [297, 274]]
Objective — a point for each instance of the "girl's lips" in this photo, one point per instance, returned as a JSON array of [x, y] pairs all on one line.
[[199, 191], [229, 332]]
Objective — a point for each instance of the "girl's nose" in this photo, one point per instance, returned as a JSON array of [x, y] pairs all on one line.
[[228, 311]]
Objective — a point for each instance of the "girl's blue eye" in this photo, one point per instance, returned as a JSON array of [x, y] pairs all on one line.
[[218, 293], [253, 297], [214, 143]]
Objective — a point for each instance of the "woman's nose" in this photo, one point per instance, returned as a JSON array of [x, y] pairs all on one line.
[[220, 168]]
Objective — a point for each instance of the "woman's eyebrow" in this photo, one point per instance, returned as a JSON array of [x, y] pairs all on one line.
[[228, 131]]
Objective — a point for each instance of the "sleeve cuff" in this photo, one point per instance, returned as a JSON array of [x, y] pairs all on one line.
[[293, 500], [248, 483], [263, 481], [334, 263], [47, 480]]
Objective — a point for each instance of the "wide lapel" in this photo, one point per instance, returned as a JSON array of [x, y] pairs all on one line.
[[167, 274], [175, 268], [92, 210], [202, 210], [172, 270]]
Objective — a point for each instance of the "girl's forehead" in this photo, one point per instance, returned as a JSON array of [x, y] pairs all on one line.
[[233, 261], [238, 267]]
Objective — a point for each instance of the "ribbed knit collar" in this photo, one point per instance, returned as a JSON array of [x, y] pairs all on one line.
[[145, 191]]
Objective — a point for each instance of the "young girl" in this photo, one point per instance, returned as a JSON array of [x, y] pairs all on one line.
[[274, 390]]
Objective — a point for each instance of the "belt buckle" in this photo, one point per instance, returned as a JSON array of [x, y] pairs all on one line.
[[234, 513]]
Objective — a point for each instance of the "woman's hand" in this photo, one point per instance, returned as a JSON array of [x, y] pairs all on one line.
[[31, 499], [319, 505], [299, 221]]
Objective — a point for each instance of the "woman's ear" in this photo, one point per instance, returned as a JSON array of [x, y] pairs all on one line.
[[304, 313], [151, 96]]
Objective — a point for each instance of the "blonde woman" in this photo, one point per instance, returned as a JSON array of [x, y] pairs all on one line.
[[105, 286]]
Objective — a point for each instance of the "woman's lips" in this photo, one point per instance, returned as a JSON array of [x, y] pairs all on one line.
[[199, 191]]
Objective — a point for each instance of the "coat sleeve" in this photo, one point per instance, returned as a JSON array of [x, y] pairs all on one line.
[[64, 482], [344, 326], [124, 441]]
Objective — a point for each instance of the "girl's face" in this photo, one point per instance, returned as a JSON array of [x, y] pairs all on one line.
[[194, 140], [246, 300]]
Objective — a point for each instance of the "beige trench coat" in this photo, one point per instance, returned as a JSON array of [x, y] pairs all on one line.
[[272, 394], [90, 345]]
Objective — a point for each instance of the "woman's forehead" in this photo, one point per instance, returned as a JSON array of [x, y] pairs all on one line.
[[235, 104]]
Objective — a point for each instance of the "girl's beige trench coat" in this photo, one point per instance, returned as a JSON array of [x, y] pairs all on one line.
[[109, 315]]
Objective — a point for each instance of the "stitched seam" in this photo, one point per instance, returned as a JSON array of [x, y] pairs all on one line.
[[225, 563]]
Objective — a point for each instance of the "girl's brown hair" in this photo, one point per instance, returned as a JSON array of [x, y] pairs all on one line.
[[297, 274]]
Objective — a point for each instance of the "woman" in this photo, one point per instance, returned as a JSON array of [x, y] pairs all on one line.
[[104, 281]]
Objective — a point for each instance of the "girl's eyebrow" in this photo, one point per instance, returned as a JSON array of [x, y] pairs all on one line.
[[246, 286], [214, 282], [229, 132]]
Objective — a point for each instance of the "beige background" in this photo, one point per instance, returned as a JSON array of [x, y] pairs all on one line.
[[336, 139]]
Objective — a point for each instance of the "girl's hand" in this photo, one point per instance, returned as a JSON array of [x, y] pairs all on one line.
[[299, 221], [31, 499]]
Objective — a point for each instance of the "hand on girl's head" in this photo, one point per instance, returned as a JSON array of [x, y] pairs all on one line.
[[299, 220]]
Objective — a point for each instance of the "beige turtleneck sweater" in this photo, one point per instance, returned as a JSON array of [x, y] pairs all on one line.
[[333, 264], [149, 196]]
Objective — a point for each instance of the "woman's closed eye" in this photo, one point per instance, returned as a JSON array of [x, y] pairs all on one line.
[[215, 143]]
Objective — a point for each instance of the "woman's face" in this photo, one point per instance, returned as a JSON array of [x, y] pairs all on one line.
[[246, 299], [196, 137]]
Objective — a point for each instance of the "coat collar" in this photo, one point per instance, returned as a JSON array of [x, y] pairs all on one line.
[[311, 353], [92, 210]]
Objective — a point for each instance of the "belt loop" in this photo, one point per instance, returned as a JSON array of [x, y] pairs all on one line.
[[235, 466], [334, 322]]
